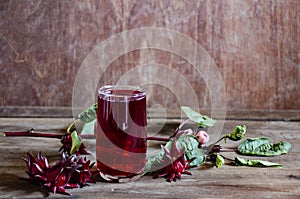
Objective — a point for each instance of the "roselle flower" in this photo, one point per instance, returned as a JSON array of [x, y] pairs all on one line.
[[82, 175], [67, 146], [69, 172], [176, 164], [36, 167], [202, 136]]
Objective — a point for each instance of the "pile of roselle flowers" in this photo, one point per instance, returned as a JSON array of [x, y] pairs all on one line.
[[71, 171], [184, 149]]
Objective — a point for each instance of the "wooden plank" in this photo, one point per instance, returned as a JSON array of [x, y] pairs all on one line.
[[35, 112], [171, 114], [205, 182]]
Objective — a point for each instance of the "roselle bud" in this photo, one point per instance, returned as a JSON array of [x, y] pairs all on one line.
[[217, 148], [202, 136], [66, 143]]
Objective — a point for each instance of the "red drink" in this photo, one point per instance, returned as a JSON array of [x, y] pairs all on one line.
[[121, 130]]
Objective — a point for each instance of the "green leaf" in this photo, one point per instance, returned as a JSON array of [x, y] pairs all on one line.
[[262, 147], [153, 162], [88, 128], [202, 120], [219, 161], [187, 142], [89, 114], [76, 142], [238, 133], [190, 144], [255, 163]]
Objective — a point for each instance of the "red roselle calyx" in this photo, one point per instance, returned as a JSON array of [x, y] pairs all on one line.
[[71, 172], [176, 164], [217, 148], [67, 145]]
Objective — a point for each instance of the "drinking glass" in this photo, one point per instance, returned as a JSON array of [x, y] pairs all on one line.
[[121, 130]]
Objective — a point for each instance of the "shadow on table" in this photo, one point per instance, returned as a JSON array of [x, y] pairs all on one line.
[[13, 185]]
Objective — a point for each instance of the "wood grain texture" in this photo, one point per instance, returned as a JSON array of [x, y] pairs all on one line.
[[153, 114], [255, 45], [205, 182]]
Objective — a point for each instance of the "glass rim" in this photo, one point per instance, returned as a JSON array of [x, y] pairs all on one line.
[[103, 91]]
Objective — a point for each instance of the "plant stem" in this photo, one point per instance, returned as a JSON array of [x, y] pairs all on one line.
[[159, 139], [31, 133], [228, 149], [179, 127], [219, 139], [87, 136], [174, 134], [70, 126], [229, 159], [183, 123]]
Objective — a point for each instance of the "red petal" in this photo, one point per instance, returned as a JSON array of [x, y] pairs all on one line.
[[41, 177], [38, 168], [54, 189], [180, 167], [187, 172], [83, 150], [62, 190], [39, 156], [30, 159], [46, 163], [179, 175], [71, 185], [172, 177]]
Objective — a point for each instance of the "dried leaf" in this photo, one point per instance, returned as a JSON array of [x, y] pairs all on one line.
[[238, 133]]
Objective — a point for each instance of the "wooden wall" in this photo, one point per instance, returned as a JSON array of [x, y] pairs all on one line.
[[255, 45]]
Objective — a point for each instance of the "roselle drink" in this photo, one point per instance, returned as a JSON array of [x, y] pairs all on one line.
[[121, 130]]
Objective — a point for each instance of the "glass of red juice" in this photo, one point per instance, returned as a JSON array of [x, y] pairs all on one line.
[[121, 130]]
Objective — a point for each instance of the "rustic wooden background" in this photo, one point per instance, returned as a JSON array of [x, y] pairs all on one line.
[[255, 45]]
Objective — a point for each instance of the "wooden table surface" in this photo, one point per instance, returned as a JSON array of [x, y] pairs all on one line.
[[205, 182]]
